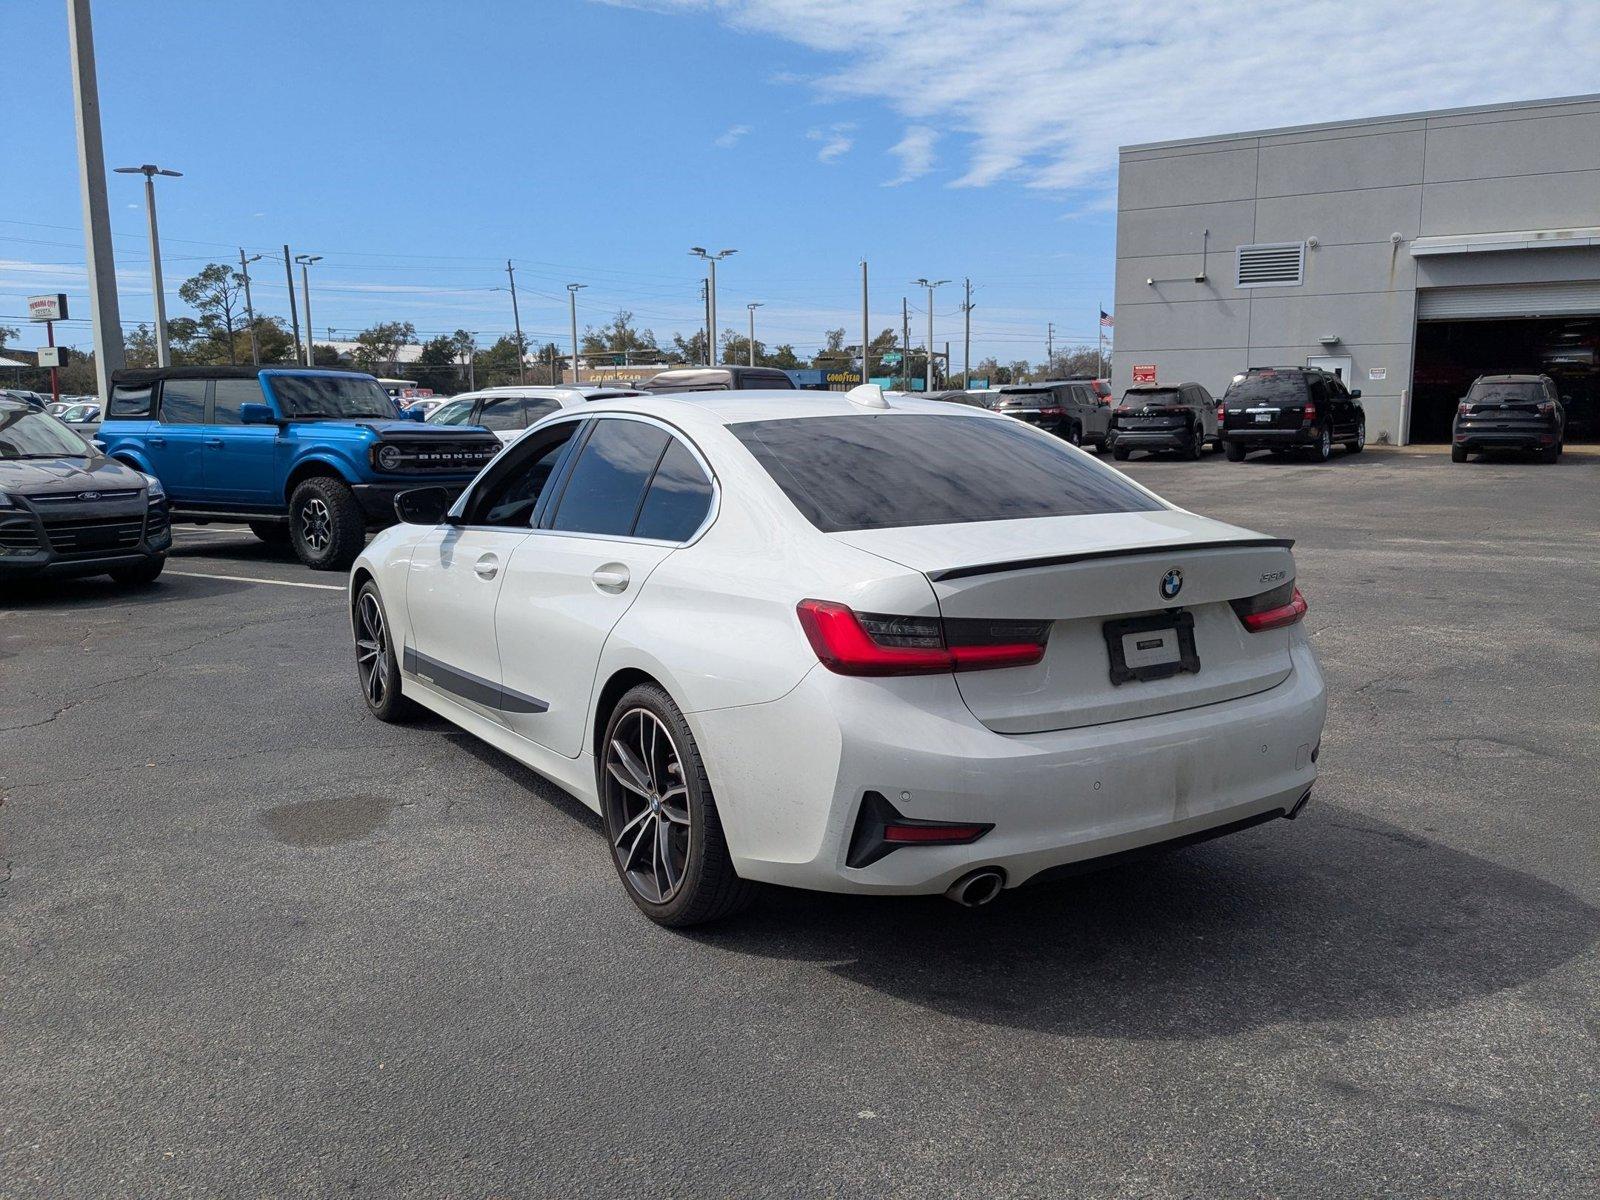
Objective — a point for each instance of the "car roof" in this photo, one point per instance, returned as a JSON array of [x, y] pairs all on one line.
[[1509, 379], [738, 407], [141, 375]]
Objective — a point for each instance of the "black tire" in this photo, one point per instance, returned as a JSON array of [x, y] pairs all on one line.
[[1360, 442], [377, 670], [1458, 454], [1197, 446], [1234, 451], [1119, 453], [326, 528], [141, 574], [1553, 454], [708, 889], [273, 533], [1323, 450], [1073, 434]]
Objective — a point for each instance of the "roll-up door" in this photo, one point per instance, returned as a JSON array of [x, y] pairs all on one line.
[[1566, 298]]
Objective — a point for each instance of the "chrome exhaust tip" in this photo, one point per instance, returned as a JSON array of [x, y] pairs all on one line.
[[977, 888], [1299, 804]]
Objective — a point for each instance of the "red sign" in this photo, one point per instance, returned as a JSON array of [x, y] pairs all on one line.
[[1144, 374]]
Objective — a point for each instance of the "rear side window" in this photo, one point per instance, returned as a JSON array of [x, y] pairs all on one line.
[[608, 481], [887, 471], [1268, 387], [228, 394], [678, 499], [183, 401], [129, 401], [507, 413]]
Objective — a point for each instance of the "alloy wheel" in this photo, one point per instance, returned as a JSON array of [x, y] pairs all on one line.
[[647, 806], [1325, 446], [372, 650], [1361, 434], [316, 524]]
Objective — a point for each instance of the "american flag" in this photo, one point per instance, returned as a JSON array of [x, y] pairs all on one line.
[[1105, 320]]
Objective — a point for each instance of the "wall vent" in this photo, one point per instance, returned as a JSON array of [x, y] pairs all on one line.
[[1274, 264]]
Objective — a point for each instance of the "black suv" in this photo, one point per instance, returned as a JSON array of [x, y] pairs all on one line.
[[1181, 417], [1291, 408], [67, 509], [1509, 412], [1069, 409]]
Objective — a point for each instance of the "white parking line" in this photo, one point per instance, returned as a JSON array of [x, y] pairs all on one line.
[[321, 587]]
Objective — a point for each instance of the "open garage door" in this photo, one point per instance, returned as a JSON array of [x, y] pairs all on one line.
[[1547, 328]]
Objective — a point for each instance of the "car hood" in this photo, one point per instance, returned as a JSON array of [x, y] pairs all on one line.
[[46, 476], [397, 428]]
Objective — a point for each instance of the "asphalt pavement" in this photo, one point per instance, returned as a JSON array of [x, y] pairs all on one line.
[[255, 943]]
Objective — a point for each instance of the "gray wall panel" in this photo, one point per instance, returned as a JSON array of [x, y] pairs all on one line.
[[1526, 146], [1552, 201], [1333, 217], [1188, 179], [1511, 266], [1341, 164], [1143, 231]]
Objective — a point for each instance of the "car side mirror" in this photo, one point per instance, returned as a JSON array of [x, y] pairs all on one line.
[[1355, 393], [257, 414], [422, 506], [413, 414]]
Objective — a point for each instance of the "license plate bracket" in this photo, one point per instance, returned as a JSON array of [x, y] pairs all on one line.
[[1167, 649]]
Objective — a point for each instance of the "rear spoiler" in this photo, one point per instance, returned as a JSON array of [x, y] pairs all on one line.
[[1061, 560]]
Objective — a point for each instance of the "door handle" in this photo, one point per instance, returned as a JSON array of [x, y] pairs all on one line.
[[613, 578], [158, 441], [213, 441], [487, 567]]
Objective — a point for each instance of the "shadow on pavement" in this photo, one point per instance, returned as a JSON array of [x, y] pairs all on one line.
[[1332, 918]]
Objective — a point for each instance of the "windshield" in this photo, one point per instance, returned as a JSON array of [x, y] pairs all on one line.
[[1267, 387], [891, 471], [1155, 396], [26, 433], [330, 396], [1519, 392], [455, 412]]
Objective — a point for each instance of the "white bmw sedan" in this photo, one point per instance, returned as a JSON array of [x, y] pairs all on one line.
[[846, 643]]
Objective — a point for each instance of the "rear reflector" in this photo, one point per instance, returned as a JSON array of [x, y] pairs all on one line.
[[882, 829], [932, 833], [852, 643], [1271, 610]]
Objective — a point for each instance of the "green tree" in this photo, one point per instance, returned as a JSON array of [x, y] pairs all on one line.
[[216, 292], [692, 351], [378, 346], [785, 358], [139, 346], [619, 342], [324, 356], [7, 332], [497, 365], [274, 338], [436, 365]]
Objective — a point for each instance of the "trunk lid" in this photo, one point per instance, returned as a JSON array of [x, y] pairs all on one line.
[[1086, 575]]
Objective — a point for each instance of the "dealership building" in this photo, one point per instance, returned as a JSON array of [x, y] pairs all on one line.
[[1409, 253]]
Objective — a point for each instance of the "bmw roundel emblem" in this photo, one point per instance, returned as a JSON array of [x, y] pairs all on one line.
[[1171, 584]]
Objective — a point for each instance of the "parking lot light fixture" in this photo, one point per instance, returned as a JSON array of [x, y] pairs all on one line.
[[572, 303], [711, 297], [305, 261], [752, 306], [930, 284], [150, 171]]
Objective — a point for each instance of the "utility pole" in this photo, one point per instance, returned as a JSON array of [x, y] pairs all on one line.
[[711, 298], [752, 306], [294, 315], [250, 308], [866, 326], [108, 352], [305, 261], [572, 304], [516, 321], [705, 312], [930, 284], [150, 171], [1049, 349], [905, 344], [966, 346]]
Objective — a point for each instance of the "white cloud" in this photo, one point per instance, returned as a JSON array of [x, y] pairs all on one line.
[[729, 138], [836, 140], [915, 152], [1044, 91]]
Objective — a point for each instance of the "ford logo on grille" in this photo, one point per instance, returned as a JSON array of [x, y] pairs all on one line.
[[1171, 584], [88, 495]]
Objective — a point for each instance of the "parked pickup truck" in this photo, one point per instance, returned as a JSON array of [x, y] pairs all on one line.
[[309, 457]]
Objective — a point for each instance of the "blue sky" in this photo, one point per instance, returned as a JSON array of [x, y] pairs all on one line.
[[417, 146]]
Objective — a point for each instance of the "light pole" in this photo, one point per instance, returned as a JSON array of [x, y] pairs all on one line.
[[108, 349], [305, 261], [572, 303], [930, 284], [752, 306], [150, 171], [249, 308], [711, 298]]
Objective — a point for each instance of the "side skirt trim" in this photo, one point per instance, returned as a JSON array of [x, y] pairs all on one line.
[[469, 686]]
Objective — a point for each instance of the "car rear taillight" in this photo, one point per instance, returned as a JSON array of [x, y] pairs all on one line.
[[1054, 410], [1283, 605], [1547, 409], [1222, 413], [852, 643], [1310, 411]]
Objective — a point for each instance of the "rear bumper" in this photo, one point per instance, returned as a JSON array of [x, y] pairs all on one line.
[[1504, 439], [790, 778], [1150, 439], [1281, 439], [1050, 424]]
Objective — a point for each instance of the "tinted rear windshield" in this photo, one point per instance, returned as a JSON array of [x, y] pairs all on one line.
[[1151, 396], [1267, 388], [1529, 392], [887, 471]]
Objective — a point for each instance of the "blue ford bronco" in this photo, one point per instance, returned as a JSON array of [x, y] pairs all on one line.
[[309, 457]]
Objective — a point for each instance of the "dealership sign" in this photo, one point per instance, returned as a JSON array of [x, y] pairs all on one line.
[[52, 356], [48, 308], [1144, 374]]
